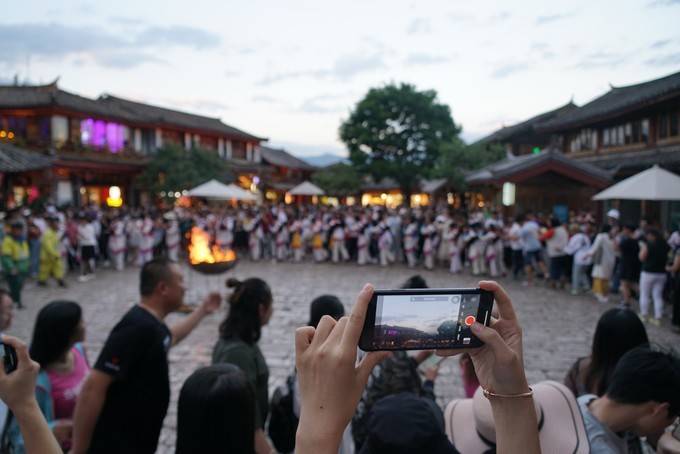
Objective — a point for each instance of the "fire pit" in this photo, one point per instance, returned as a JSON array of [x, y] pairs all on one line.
[[207, 259]]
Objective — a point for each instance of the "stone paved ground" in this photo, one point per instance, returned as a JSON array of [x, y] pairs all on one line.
[[558, 327]]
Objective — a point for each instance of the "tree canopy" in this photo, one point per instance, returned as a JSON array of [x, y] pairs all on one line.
[[397, 131], [173, 168], [338, 179]]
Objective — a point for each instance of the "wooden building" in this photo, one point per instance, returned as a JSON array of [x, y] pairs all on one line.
[[547, 182], [285, 172], [523, 138], [99, 143], [625, 131]]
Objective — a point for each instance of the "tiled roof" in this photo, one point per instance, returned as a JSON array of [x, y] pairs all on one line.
[[14, 159], [506, 168], [281, 158], [525, 126], [106, 106], [617, 101], [154, 114]]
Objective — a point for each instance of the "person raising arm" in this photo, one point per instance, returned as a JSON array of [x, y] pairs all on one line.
[[331, 382], [17, 390]]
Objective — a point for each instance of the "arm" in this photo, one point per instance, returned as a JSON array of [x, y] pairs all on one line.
[[644, 252], [262, 445], [182, 329], [675, 267], [17, 391], [499, 365], [88, 407]]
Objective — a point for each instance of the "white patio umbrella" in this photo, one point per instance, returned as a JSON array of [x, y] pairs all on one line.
[[307, 189], [654, 183], [213, 189], [243, 194]]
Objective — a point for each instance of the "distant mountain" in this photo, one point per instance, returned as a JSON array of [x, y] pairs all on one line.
[[323, 160]]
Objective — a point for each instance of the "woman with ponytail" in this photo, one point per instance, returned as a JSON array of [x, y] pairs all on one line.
[[250, 308]]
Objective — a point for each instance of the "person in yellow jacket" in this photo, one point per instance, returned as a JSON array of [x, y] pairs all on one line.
[[51, 264], [15, 260]]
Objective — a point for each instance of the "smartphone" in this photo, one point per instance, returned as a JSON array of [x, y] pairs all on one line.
[[9, 357], [425, 319]]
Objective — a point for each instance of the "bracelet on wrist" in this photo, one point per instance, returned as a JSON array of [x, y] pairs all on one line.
[[492, 395]]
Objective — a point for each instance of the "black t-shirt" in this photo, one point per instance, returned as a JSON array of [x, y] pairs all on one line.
[[657, 256], [136, 356]]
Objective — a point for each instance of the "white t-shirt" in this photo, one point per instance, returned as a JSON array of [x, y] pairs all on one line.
[[515, 244], [86, 235]]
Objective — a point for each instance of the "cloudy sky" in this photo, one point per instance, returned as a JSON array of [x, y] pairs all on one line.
[[292, 70]]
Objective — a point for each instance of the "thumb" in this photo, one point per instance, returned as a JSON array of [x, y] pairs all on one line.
[[491, 338], [369, 362]]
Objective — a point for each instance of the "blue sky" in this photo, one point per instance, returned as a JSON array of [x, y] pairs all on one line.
[[423, 315], [291, 71]]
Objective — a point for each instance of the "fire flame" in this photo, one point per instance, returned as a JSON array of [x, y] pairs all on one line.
[[201, 252]]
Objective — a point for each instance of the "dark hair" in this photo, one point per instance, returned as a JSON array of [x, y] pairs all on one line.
[[325, 305], [54, 330], [647, 374], [656, 234], [416, 281], [216, 412], [554, 222], [153, 273], [243, 321], [606, 228], [618, 331]]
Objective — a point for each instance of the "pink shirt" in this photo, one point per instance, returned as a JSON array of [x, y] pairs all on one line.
[[66, 387]]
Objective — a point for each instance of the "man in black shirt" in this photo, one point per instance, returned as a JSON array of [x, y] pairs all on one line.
[[124, 399], [629, 265]]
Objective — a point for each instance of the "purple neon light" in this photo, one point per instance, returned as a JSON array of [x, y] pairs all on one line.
[[101, 134]]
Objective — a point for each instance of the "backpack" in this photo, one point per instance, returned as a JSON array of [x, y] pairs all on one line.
[[282, 420]]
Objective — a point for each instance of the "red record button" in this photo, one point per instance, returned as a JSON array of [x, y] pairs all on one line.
[[469, 320]]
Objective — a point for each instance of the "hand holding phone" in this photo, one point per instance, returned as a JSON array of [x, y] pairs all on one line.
[[499, 363], [17, 386]]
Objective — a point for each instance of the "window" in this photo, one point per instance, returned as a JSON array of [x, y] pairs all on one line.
[[673, 129], [102, 134], [605, 137], [59, 128], [586, 139], [626, 134], [663, 126]]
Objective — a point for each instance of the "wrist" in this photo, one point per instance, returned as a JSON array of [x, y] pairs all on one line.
[[316, 437], [24, 410]]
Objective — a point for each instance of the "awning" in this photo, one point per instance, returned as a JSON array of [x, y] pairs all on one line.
[[307, 189], [215, 190], [654, 183]]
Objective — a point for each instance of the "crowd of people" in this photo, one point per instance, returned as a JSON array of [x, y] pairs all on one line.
[[641, 263], [621, 398]]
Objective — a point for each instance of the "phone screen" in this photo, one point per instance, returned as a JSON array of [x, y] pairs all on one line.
[[432, 320]]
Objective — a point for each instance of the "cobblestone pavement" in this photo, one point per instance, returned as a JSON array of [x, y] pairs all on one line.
[[557, 327]]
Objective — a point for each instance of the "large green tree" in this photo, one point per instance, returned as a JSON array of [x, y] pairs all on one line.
[[397, 131], [173, 168], [338, 179]]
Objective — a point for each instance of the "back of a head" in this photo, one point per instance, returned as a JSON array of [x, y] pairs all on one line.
[[647, 374], [415, 282], [243, 320], [55, 328], [216, 412], [325, 305], [153, 273], [406, 423], [618, 331]]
